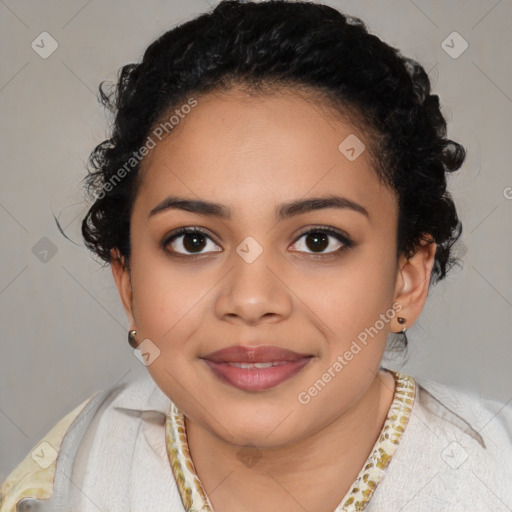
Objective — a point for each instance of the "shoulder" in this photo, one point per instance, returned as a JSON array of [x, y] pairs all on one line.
[[35, 476], [450, 409], [455, 454]]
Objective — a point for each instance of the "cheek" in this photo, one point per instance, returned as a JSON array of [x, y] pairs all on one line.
[[352, 296], [167, 298]]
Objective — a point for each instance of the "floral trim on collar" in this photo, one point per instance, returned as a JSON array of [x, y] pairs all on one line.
[[194, 496]]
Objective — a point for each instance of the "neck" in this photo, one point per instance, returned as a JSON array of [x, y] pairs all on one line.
[[313, 474]]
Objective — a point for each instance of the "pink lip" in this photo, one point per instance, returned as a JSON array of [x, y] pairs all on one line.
[[255, 379]]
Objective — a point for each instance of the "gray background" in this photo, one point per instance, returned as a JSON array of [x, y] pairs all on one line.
[[63, 329]]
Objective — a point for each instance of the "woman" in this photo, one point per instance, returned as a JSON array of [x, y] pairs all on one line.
[[273, 204]]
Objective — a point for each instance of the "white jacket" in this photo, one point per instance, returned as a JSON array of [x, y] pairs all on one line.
[[455, 455]]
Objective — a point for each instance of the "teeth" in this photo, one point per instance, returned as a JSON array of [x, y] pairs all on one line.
[[257, 365]]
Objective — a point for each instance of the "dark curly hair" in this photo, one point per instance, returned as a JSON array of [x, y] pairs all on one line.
[[296, 45]]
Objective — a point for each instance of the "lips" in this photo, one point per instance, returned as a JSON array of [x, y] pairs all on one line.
[[255, 368], [259, 354]]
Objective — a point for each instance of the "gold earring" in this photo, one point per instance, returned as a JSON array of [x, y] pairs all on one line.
[[131, 339]]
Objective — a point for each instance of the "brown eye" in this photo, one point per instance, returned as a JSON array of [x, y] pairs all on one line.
[[189, 241], [318, 240]]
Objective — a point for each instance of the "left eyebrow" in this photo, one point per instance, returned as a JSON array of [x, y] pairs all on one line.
[[292, 208], [284, 211]]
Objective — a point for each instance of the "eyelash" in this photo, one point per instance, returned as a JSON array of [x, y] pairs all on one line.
[[340, 236]]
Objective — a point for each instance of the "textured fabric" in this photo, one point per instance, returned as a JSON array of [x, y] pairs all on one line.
[[33, 477], [454, 455], [194, 496]]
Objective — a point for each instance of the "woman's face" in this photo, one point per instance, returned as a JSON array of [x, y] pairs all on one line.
[[253, 277]]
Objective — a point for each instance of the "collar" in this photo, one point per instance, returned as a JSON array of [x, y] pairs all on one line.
[[143, 396]]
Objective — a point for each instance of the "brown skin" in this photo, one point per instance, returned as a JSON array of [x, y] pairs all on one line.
[[252, 154]]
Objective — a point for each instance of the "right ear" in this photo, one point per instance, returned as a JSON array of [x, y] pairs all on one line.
[[121, 275]]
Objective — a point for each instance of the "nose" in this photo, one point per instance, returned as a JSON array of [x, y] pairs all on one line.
[[253, 292]]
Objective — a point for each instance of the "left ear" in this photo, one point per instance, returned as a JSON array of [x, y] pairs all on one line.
[[412, 284]]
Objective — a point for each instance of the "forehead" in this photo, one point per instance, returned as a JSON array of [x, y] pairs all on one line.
[[233, 147]]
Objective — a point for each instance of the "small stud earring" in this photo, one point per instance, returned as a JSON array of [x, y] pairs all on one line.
[[401, 320], [131, 339]]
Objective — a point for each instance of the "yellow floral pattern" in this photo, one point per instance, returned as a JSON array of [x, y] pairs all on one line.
[[194, 496]]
